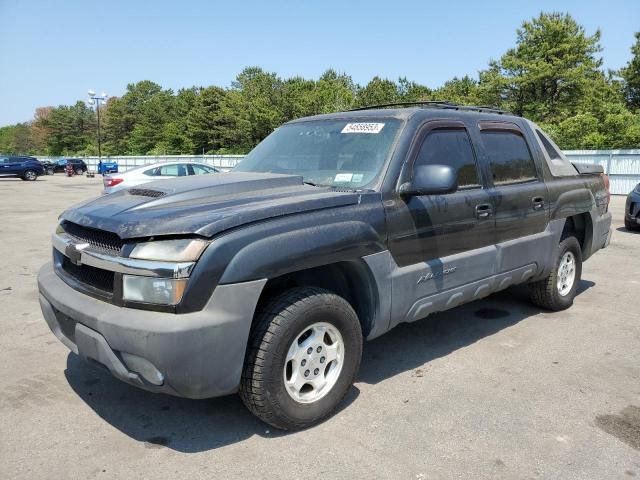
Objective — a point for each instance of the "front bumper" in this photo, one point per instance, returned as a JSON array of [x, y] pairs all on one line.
[[193, 355], [632, 208]]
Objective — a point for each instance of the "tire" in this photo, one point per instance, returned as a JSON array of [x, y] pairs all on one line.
[[551, 294], [50, 171], [30, 175], [285, 321], [79, 171], [632, 227]]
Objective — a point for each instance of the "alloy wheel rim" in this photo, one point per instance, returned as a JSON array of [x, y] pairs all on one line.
[[566, 273], [313, 362], [30, 175]]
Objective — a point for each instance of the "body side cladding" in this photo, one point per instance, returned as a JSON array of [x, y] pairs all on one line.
[[424, 288]]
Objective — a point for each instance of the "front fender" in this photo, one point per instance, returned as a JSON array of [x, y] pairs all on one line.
[[287, 244], [301, 249]]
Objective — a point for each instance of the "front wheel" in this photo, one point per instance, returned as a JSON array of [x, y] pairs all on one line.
[[557, 291], [303, 356], [79, 171]]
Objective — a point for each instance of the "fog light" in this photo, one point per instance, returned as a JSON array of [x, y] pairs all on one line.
[[143, 367], [161, 291]]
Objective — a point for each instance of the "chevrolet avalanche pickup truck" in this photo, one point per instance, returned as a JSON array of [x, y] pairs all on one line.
[[336, 228]]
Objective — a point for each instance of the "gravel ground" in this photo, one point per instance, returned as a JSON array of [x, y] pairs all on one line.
[[493, 389]]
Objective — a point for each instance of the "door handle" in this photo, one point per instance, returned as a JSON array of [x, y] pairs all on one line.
[[483, 210], [537, 203]]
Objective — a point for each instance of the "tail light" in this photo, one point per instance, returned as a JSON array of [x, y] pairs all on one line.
[[605, 177], [111, 182]]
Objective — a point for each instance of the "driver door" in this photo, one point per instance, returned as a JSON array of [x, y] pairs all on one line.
[[445, 241]]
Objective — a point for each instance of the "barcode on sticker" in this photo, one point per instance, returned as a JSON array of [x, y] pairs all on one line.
[[362, 128]]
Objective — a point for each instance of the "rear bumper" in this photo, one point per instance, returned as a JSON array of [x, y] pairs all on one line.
[[195, 355], [601, 232]]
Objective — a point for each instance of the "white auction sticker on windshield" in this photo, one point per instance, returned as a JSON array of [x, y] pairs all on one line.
[[343, 177], [363, 128]]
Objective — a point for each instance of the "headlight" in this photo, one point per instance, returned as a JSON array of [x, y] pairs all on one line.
[[182, 250], [161, 291]]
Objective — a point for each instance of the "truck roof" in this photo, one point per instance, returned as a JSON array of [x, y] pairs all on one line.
[[405, 111]]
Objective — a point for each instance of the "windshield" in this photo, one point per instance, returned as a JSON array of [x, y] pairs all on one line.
[[345, 153]]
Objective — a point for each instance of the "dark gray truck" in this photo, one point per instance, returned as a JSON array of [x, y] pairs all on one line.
[[336, 228]]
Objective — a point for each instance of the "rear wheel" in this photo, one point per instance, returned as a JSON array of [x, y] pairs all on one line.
[[303, 357], [558, 289], [79, 171], [30, 175]]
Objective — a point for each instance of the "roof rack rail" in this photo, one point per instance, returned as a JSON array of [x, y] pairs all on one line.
[[444, 104]]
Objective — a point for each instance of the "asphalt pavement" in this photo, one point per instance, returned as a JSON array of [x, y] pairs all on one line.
[[493, 389]]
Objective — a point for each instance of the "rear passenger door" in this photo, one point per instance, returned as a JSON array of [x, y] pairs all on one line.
[[518, 191]]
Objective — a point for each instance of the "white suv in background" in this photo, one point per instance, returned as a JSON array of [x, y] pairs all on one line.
[[154, 172]]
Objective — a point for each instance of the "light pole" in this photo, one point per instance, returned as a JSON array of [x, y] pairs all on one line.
[[98, 100]]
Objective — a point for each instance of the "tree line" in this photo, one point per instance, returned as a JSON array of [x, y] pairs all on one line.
[[553, 76]]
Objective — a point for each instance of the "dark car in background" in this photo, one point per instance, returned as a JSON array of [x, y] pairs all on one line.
[[632, 210], [49, 167], [26, 168], [79, 167]]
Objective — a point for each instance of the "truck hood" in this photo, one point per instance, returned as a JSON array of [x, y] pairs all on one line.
[[204, 205]]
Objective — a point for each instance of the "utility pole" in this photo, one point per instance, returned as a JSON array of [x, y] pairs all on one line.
[[98, 100]]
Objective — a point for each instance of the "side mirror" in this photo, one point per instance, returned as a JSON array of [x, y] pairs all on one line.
[[431, 180]]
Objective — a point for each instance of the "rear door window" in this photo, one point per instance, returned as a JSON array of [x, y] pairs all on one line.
[[200, 170], [510, 160], [450, 146], [173, 171]]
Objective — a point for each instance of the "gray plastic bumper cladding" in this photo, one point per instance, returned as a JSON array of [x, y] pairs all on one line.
[[193, 355], [601, 231]]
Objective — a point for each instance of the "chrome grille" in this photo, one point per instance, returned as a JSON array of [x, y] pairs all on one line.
[[99, 239], [88, 275]]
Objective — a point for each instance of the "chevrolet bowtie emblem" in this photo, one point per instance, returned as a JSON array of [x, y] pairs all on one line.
[[74, 252]]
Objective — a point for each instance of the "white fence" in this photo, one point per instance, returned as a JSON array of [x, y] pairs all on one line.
[[622, 166]]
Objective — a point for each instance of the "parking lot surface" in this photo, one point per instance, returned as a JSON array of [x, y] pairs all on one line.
[[493, 389]]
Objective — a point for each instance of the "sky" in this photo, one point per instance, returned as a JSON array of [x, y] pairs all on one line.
[[52, 52]]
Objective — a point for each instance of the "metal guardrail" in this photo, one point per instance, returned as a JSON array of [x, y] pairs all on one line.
[[622, 166]]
